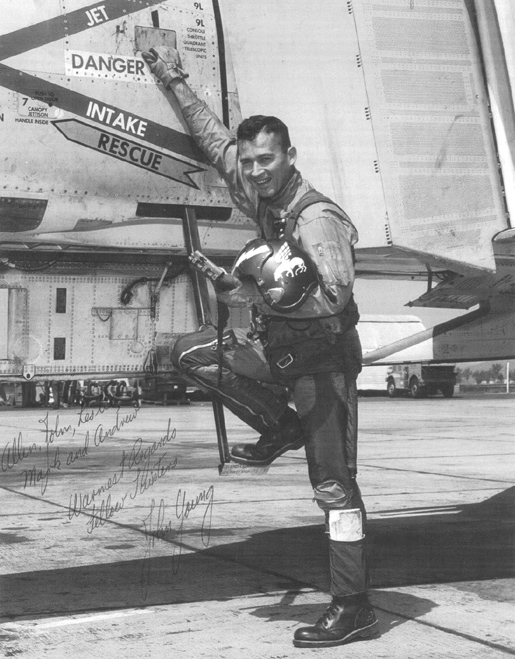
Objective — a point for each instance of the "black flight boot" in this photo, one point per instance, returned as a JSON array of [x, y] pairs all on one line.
[[346, 619], [286, 435]]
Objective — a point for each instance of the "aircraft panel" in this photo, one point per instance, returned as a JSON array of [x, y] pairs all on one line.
[[23, 30], [71, 321], [76, 90], [429, 114], [489, 338], [300, 62], [77, 324]]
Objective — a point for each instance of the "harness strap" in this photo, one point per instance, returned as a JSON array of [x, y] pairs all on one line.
[[308, 199], [268, 229]]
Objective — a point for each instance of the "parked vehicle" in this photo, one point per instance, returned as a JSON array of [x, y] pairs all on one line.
[[421, 380]]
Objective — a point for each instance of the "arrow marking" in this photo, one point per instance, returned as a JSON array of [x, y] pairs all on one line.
[[128, 151]]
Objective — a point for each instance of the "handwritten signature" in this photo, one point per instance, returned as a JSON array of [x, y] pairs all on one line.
[[156, 527]]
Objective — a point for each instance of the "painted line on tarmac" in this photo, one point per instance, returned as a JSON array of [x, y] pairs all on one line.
[[417, 512], [65, 622], [446, 457], [437, 473], [462, 490]]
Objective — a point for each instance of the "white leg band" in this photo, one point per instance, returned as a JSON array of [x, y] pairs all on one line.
[[345, 525]]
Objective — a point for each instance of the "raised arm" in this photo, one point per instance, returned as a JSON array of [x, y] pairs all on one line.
[[165, 63], [211, 135]]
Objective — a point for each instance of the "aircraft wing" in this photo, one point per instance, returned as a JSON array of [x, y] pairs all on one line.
[[458, 291]]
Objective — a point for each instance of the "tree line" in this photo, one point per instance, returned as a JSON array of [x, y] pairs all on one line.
[[496, 373]]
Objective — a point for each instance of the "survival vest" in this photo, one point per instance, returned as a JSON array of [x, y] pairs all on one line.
[[285, 227]]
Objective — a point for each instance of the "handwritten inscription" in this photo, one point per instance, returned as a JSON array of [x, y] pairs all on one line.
[[185, 506], [65, 441], [157, 527], [139, 468], [56, 430], [52, 461], [40, 476], [15, 452]]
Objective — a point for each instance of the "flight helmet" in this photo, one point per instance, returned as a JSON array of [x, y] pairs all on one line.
[[283, 272]]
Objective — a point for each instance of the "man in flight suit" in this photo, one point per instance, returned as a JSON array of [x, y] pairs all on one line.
[[314, 350]]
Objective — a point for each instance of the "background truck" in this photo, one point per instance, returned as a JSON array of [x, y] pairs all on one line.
[[421, 379]]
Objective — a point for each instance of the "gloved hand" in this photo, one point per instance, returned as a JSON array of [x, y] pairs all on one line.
[[165, 63], [244, 295], [225, 283]]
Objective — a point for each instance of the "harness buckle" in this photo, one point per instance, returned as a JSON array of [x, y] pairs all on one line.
[[285, 361]]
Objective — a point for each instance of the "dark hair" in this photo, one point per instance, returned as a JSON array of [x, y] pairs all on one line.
[[251, 127]]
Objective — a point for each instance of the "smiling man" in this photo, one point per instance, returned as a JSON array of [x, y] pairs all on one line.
[[297, 277], [266, 156]]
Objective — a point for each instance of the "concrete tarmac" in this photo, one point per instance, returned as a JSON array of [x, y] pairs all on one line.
[[120, 539]]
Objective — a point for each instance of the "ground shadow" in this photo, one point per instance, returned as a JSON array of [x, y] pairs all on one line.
[[475, 544], [287, 609]]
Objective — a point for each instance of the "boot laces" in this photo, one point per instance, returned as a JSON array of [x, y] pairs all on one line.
[[330, 613], [268, 438]]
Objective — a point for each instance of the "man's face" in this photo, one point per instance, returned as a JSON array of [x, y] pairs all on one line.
[[265, 164]]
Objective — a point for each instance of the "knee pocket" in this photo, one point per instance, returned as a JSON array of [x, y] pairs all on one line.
[[331, 495]]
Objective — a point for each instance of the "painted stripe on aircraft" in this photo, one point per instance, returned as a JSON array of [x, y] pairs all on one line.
[[128, 151], [102, 113], [34, 36]]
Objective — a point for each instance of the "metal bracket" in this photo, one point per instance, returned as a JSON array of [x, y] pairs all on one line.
[[28, 371]]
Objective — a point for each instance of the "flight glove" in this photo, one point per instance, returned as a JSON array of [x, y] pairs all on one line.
[[165, 63]]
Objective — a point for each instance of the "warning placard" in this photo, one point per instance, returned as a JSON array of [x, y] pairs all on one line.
[[129, 151], [110, 67]]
